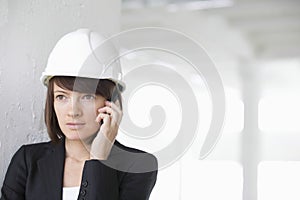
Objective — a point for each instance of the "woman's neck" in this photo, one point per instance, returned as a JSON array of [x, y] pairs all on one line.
[[77, 150]]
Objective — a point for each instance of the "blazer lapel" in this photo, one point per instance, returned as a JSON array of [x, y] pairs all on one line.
[[51, 168]]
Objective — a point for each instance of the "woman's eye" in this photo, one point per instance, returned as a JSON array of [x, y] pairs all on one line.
[[60, 97], [88, 97]]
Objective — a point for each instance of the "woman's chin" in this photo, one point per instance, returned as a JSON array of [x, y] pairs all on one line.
[[76, 137]]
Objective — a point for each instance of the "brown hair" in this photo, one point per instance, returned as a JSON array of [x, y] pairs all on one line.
[[104, 87]]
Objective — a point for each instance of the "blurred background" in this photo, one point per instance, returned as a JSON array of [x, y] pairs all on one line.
[[255, 46]]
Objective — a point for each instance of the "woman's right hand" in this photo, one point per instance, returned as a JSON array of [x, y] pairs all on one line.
[[111, 115]]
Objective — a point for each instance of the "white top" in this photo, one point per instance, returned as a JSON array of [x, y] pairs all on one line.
[[70, 193]]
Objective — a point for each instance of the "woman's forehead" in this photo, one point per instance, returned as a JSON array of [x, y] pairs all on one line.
[[77, 84], [57, 88]]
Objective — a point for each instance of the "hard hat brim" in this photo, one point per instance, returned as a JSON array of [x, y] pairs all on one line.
[[45, 78]]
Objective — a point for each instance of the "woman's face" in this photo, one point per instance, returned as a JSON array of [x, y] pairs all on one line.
[[76, 113]]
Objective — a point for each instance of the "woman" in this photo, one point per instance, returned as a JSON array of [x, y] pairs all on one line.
[[82, 114]]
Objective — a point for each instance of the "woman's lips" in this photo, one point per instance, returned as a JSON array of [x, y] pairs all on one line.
[[75, 126]]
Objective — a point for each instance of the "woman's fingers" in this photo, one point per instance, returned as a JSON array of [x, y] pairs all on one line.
[[106, 109], [105, 117], [114, 111], [110, 107], [115, 106]]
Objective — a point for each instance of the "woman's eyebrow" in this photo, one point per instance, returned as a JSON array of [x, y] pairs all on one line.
[[60, 91]]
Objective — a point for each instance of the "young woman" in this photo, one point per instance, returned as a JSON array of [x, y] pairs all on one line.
[[82, 114]]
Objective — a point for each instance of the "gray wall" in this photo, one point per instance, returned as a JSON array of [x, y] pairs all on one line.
[[28, 32]]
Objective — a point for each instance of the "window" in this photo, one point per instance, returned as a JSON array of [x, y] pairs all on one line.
[[209, 180], [278, 180], [279, 112]]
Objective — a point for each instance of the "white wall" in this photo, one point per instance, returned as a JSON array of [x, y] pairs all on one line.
[[28, 32]]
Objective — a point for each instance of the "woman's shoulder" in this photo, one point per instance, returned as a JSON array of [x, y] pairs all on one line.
[[35, 151], [28, 154], [37, 147], [119, 145], [122, 149], [131, 159]]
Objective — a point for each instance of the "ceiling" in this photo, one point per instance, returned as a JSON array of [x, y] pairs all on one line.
[[270, 27]]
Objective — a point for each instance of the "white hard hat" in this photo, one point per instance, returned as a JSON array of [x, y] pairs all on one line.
[[84, 53]]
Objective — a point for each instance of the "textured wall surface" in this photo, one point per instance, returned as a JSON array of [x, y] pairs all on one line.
[[28, 31]]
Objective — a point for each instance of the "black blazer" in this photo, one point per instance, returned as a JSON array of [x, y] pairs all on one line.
[[36, 173]]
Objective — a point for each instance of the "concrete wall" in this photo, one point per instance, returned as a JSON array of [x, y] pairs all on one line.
[[28, 31]]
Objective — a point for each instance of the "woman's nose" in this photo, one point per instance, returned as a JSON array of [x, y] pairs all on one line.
[[74, 108]]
